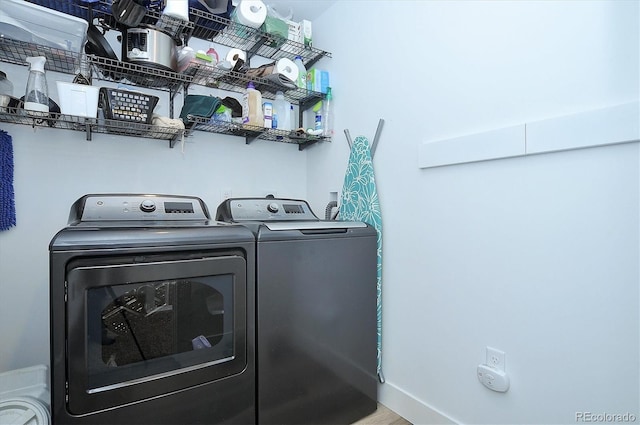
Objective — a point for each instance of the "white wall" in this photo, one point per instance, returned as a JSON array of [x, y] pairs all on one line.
[[53, 168], [536, 256]]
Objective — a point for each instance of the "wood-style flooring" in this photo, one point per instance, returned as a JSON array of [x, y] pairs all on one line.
[[383, 416]]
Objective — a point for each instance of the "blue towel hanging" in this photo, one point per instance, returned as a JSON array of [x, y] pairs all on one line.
[[359, 202], [7, 199]]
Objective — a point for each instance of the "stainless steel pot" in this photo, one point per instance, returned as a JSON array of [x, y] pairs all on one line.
[[149, 47]]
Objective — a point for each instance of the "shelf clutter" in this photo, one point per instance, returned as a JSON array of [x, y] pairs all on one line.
[[219, 29]]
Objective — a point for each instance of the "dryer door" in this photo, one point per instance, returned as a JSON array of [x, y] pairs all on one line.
[[145, 325]]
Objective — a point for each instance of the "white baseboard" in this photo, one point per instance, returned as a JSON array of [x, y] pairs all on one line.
[[415, 411]]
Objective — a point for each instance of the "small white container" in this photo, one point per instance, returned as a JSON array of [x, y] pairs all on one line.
[[78, 99]]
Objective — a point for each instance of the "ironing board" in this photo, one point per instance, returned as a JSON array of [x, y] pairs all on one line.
[[359, 202]]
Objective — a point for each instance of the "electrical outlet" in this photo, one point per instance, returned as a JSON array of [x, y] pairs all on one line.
[[495, 358]]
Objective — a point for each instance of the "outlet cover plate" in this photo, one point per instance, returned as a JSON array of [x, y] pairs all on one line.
[[496, 359]]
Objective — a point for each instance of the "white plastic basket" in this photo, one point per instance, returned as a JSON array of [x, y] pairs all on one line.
[[78, 99]]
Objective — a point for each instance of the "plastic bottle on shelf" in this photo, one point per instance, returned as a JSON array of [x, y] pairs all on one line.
[[302, 73], [318, 124], [36, 98], [252, 106], [281, 119], [213, 55], [327, 114]]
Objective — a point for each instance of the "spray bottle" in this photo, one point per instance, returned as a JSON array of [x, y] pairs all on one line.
[[327, 114], [36, 98]]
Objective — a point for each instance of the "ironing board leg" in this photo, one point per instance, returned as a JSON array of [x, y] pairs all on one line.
[[349, 141], [376, 138]]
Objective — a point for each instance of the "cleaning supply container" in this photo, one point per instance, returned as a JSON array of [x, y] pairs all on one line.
[[281, 111], [302, 73], [36, 98], [252, 107]]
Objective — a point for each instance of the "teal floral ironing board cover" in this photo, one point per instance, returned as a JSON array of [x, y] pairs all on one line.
[[359, 202]]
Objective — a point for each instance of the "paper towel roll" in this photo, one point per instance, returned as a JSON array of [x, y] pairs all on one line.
[[287, 68], [251, 13], [234, 55]]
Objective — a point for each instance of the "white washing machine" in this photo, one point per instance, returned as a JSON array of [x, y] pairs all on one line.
[[25, 397]]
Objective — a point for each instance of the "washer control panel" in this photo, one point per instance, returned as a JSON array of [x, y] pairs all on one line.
[[114, 207], [264, 209]]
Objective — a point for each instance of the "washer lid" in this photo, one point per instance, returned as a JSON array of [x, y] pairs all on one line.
[[23, 411], [313, 225]]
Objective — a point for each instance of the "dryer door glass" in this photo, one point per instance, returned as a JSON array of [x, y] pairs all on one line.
[[151, 326]]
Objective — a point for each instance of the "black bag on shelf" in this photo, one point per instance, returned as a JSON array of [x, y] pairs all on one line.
[[199, 106]]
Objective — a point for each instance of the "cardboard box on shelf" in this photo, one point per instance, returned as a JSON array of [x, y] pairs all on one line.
[[295, 31], [306, 32]]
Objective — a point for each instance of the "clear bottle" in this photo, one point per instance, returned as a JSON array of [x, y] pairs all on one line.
[[327, 114], [280, 112], [252, 106], [302, 73], [36, 98]]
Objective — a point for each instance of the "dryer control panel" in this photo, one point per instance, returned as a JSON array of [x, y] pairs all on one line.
[[264, 209], [118, 207]]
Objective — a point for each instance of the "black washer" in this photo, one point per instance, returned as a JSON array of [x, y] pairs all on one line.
[[316, 312]]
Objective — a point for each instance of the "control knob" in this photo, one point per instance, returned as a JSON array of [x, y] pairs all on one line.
[[272, 207], [148, 206]]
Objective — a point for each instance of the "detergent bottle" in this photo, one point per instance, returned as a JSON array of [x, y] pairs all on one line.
[[36, 98], [252, 107]]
